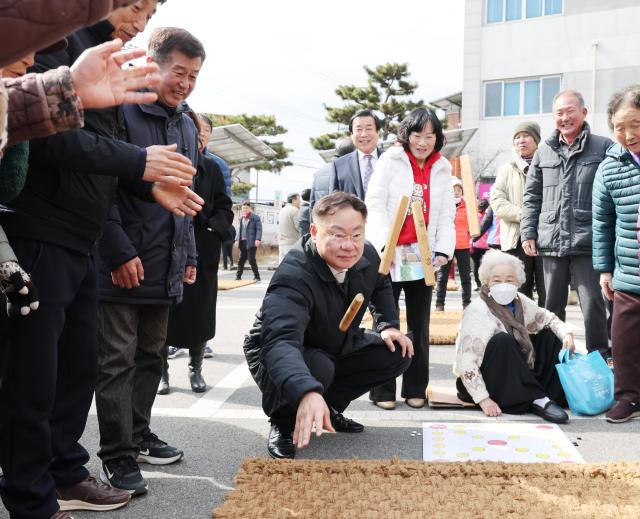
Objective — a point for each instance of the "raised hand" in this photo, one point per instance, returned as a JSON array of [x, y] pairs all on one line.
[[100, 81]]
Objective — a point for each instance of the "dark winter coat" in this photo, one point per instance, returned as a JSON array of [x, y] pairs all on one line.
[[164, 242], [251, 231], [616, 198], [194, 320], [558, 195], [72, 176], [302, 308]]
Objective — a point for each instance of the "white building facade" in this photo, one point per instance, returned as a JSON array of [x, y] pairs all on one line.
[[519, 53]]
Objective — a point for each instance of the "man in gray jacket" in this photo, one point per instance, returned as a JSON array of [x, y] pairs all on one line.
[[556, 216]]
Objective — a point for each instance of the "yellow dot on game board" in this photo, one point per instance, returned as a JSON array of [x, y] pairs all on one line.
[[437, 433], [460, 432], [478, 449], [542, 456], [513, 437], [439, 453], [438, 445], [522, 449], [556, 446], [478, 436], [459, 426], [462, 455], [564, 454]]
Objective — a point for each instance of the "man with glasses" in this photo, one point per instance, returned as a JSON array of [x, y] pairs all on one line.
[[307, 369]]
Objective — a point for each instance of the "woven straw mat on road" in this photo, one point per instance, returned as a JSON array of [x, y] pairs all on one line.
[[229, 284], [443, 326], [341, 489]]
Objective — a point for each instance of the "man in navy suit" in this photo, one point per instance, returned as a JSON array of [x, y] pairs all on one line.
[[351, 173]]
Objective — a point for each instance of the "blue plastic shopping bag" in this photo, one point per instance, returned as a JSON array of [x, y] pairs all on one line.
[[587, 382]]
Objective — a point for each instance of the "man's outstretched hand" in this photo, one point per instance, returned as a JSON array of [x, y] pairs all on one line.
[[312, 410], [100, 81], [179, 200]]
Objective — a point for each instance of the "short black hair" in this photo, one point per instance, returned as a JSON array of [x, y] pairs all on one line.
[[364, 113], [247, 203], [330, 204], [416, 121], [165, 40], [306, 194], [205, 119], [292, 197], [629, 95]]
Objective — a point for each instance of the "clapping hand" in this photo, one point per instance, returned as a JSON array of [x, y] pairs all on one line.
[[19, 289]]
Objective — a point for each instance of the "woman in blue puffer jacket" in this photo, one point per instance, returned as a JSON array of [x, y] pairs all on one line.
[[616, 235]]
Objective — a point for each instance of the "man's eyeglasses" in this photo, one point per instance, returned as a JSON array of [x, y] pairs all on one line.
[[340, 238]]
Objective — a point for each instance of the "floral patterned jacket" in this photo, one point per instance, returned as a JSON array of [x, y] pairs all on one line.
[[39, 105], [477, 327]]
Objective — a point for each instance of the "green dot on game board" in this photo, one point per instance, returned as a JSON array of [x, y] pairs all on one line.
[[460, 432], [522, 449], [513, 437], [478, 449], [462, 455], [478, 436], [564, 454], [543, 456]]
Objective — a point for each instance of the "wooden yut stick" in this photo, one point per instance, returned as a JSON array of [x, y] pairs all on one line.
[[469, 188], [351, 312], [423, 244], [390, 248]]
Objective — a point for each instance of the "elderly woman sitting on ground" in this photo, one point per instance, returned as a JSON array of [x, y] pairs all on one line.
[[508, 346]]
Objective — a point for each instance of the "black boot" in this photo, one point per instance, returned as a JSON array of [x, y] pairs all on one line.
[[198, 385], [163, 387]]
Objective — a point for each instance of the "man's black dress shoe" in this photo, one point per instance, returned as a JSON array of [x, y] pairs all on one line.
[[551, 412], [342, 424], [280, 443]]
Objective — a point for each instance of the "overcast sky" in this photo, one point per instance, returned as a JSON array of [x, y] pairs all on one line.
[[287, 57]]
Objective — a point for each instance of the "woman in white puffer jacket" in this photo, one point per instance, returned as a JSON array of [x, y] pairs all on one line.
[[417, 169]]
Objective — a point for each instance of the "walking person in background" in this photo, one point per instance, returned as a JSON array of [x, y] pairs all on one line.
[[461, 253], [479, 245], [304, 217], [193, 322], [506, 202], [616, 251], [227, 249], [556, 214], [415, 168], [288, 232], [249, 238]]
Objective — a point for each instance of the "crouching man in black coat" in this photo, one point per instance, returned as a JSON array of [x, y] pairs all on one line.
[[307, 369]]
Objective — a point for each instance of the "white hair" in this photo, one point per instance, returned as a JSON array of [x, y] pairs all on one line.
[[494, 258]]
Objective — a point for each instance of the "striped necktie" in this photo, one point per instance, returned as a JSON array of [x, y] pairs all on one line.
[[368, 171]]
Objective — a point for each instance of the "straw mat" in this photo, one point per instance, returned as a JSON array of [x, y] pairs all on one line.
[[336, 489], [443, 326], [228, 284]]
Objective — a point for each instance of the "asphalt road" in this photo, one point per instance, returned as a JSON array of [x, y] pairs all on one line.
[[220, 428]]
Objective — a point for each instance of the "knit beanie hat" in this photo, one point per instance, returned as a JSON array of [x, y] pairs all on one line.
[[530, 127]]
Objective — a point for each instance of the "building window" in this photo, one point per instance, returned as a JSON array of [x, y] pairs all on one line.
[[520, 97], [509, 10]]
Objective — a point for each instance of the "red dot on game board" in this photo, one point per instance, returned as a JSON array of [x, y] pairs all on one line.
[[544, 426], [497, 442], [438, 426]]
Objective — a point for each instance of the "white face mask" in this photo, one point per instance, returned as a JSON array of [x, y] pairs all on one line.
[[458, 199], [503, 293]]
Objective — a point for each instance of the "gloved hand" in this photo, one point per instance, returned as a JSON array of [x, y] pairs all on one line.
[[17, 286]]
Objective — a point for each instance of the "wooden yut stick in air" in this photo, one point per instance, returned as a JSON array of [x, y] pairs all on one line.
[[469, 195], [351, 312], [390, 248], [423, 244]]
